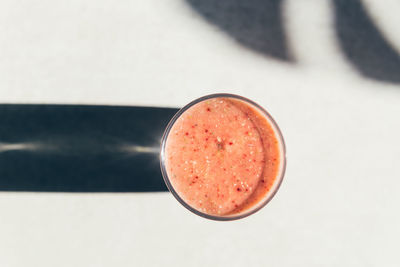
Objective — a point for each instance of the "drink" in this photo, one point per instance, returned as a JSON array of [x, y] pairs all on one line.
[[223, 157]]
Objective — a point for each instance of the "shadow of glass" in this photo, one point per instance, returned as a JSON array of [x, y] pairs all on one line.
[[78, 148]]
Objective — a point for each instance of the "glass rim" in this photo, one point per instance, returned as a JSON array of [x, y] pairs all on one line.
[[270, 194]]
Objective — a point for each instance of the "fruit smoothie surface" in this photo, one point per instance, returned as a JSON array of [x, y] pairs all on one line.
[[222, 156]]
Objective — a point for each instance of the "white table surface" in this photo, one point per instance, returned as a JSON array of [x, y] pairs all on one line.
[[339, 202]]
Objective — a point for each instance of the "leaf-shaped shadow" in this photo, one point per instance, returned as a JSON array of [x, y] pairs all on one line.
[[256, 24], [363, 44]]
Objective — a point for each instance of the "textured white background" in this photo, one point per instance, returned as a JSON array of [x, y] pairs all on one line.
[[339, 202]]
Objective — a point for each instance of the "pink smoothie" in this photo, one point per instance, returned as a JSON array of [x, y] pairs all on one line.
[[222, 156]]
